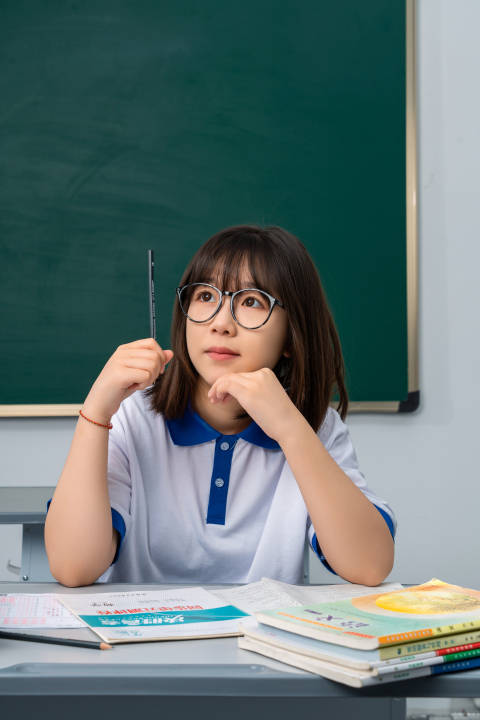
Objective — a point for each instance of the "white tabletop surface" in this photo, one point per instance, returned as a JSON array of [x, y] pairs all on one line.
[[211, 651]]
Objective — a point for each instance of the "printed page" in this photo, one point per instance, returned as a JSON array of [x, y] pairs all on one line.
[[309, 594], [23, 611], [156, 615], [257, 596]]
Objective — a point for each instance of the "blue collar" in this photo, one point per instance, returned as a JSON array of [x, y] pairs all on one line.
[[191, 429]]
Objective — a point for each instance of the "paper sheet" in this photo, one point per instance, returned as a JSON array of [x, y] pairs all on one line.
[[271, 594], [21, 611], [155, 615], [309, 594], [256, 596]]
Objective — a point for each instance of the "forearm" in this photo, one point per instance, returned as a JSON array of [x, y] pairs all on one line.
[[352, 534], [79, 538]]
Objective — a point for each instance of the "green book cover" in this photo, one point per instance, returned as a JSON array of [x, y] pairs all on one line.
[[378, 620]]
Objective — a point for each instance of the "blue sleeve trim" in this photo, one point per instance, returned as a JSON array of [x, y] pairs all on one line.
[[388, 520], [323, 560], [119, 524]]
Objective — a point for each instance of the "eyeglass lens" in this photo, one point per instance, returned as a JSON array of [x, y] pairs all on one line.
[[200, 302]]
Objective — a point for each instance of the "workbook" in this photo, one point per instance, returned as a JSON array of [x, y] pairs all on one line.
[[139, 616], [359, 678], [433, 609], [434, 652]]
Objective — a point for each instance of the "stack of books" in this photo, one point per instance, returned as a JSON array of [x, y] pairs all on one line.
[[422, 630]]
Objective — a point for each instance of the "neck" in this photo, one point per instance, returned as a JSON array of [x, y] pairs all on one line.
[[219, 417]]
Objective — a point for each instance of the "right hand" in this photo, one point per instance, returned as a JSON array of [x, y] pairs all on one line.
[[132, 367]]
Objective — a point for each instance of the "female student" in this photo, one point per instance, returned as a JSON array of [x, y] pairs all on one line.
[[218, 471]]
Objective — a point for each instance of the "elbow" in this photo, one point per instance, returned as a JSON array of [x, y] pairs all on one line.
[[73, 574], [375, 576], [372, 573], [376, 573], [71, 577]]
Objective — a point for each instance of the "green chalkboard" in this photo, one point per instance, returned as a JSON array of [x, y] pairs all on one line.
[[134, 124]]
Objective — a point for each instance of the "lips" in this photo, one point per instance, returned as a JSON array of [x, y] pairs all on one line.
[[221, 353]]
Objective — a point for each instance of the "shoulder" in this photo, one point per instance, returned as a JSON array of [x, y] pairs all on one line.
[[333, 430], [134, 415]]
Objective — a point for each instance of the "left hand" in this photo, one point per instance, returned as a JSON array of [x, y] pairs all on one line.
[[262, 397]]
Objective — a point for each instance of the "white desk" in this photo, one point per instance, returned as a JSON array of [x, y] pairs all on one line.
[[211, 679]]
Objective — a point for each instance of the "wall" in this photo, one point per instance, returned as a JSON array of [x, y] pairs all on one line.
[[424, 464]]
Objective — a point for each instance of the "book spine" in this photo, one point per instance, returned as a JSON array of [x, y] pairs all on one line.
[[422, 672], [448, 641], [458, 649], [428, 632], [456, 666], [426, 655], [439, 660]]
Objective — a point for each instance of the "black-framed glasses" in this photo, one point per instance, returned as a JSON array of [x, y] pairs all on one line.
[[250, 308]]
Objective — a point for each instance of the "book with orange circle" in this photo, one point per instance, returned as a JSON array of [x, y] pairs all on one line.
[[371, 621]]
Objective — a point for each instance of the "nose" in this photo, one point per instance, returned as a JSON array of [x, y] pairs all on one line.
[[223, 322]]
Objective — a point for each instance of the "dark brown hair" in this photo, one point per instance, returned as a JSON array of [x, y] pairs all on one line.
[[279, 264]]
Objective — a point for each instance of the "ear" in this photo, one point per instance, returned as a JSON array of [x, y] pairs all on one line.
[[286, 353]]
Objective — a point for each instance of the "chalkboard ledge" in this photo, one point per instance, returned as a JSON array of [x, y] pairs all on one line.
[[403, 406], [39, 410], [395, 406]]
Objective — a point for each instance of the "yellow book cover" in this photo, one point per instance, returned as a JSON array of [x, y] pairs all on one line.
[[373, 621]]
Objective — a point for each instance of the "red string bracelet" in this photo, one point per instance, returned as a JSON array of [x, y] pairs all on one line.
[[108, 427]]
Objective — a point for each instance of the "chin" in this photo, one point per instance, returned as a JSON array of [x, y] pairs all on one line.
[[211, 375]]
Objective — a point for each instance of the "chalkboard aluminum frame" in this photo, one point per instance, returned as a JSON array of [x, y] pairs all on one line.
[[413, 398]]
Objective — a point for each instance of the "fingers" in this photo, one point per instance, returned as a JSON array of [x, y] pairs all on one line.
[[244, 387], [151, 345], [148, 349], [137, 365], [136, 376], [150, 365], [229, 386], [168, 354]]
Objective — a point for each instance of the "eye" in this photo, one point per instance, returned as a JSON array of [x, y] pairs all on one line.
[[206, 296], [252, 302]]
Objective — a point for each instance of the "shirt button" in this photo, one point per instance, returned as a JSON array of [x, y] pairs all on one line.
[[224, 446], [219, 482]]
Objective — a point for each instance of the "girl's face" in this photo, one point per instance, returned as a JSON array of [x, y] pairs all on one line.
[[209, 343]]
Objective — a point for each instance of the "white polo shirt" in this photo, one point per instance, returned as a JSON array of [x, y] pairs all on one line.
[[195, 506]]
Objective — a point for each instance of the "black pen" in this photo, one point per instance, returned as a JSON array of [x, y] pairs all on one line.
[[151, 292]]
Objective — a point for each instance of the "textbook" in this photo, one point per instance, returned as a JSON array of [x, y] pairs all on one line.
[[353, 658], [141, 616], [354, 678], [431, 610]]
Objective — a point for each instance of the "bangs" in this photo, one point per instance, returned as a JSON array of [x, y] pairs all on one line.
[[236, 261]]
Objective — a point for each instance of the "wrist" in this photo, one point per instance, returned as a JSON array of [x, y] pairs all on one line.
[[294, 429], [95, 414]]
